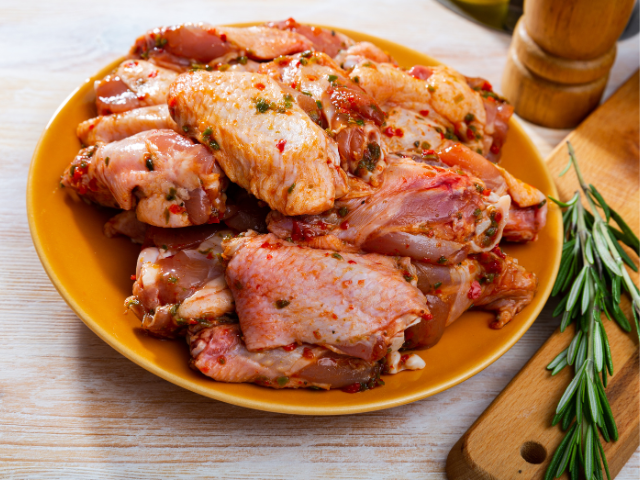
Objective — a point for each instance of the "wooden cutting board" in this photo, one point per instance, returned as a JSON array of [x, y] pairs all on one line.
[[513, 438]]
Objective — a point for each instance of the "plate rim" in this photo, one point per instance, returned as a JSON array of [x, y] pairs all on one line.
[[148, 365]]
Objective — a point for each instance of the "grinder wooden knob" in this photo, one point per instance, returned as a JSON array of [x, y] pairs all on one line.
[[560, 57]]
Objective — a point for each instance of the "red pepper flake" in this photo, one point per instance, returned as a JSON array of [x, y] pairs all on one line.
[[210, 256], [391, 132], [486, 192], [424, 113], [353, 388], [290, 347], [427, 317], [259, 86], [77, 174], [223, 37], [475, 291], [82, 189], [487, 86], [272, 246], [470, 134], [344, 225], [428, 152], [307, 353], [153, 74], [176, 209], [294, 85], [437, 291], [351, 262], [92, 126], [213, 219], [93, 185], [495, 149], [317, 335], [269, 257], [404, 358], [173, 101], [280, 145], [497, 250], [498, 217], [133, 277]]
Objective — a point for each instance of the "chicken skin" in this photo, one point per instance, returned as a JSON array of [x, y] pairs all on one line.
[[220, 353], [321, 297], [134, 84], [117, 126], [169, 180], [427, 212], [262, 139], [184, 46], [180, 280], [333, 101]]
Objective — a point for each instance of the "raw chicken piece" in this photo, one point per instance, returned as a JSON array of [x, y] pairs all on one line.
[[134, 84], [476, 117], [126, 223], [109, 128], [220, 353], [488, 281], [169, 180], [180, 280], [321, 297], [331, 99], [323, 40], [183, 46], [423, 211], [262, 139], [528, 212], [365, 50]]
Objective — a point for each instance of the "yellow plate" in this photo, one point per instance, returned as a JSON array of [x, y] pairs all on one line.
[[92, 272]]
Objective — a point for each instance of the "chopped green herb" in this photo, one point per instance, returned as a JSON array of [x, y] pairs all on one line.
[[356, 79], [161, 42], [469, 117], [332, 78], [262, 105], [431, 88], [437, 285], [172, 194], [337, 256], [242, 60], [282, 381], [290, 189], [343, 211], [319, 104], [442, 260], [370, 157], [408, 278], [149, 162], [172, 279], [238, 285]]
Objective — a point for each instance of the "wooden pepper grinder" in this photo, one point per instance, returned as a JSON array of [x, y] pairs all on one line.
[[560, 57]]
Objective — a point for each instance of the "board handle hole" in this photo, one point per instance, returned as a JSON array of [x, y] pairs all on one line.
[[533, 452]]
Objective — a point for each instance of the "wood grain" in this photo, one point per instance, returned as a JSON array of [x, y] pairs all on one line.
[[493, 448], [71, 407]]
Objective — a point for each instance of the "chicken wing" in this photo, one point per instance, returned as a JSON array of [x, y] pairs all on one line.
[[180, 280], [321, 297], [489, 281], [134, 84], [181, 47], [332, 100], [169, 180], [427, 212], [220, 353], [440, 95], [262, 139], [117, 126]]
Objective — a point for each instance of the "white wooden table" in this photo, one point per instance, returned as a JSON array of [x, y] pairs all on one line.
[[71, 407]]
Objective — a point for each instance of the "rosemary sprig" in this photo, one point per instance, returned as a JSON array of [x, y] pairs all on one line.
[[591, 280]]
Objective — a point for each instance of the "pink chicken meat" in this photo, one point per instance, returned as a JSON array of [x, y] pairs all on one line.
[[321, 297]]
